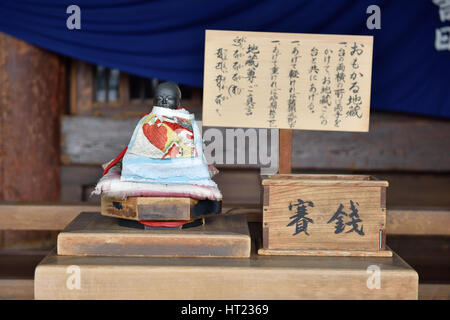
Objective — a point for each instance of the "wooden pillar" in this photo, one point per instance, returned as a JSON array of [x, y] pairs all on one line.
[[32, 95], [285, 151]]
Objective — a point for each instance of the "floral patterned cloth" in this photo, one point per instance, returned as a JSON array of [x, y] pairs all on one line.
[[163, 137], [166, 148]]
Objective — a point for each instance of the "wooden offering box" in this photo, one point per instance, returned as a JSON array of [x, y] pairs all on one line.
[[329, 215]]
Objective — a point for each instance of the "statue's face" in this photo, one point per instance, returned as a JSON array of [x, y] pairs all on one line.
[[167, 95]]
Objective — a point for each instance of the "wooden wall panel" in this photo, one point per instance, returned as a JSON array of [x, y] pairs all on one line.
[[428, 255], [91, 140], [394, 142], [244, 186]]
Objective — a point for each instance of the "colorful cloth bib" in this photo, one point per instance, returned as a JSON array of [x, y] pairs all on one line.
[[164, 137], [166, 148]]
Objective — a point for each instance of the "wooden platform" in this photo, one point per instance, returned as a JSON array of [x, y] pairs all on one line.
[[260, 277], [91, 234]]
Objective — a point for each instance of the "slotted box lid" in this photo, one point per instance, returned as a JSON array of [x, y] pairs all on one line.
[[354, 180]]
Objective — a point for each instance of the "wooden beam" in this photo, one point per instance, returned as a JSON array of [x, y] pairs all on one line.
[[55, 216], [40, 216], [16, 289], [434, 291], [32, 97], [23, 289], [418, 221], [32, 94]]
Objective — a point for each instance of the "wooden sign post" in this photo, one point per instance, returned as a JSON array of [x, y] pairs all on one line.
[[304, 82], [287, 81], [285, 151]]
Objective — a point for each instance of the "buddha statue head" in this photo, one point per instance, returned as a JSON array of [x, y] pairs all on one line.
[[167, 95]]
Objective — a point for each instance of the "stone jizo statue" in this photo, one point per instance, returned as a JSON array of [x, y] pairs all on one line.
[[166, 146], [167, 95]]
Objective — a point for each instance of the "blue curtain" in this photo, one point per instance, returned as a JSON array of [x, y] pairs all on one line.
[[165, 39]]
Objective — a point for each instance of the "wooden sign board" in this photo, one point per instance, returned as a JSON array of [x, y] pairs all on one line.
[[287, 81]]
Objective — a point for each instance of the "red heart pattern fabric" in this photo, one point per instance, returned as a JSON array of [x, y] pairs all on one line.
[[156, 135]]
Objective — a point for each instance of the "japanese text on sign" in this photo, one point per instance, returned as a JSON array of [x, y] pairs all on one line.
[[289, 81]]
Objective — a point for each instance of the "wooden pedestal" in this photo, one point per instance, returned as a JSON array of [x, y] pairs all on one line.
[[260, 277], [159, 208], [91, 234]]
